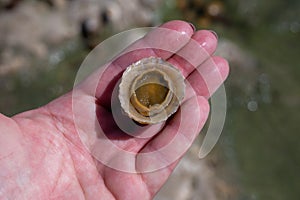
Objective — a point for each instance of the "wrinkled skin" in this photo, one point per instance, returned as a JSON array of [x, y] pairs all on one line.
[[42, 157]]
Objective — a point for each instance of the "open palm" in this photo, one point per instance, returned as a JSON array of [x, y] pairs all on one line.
[[57, 151]]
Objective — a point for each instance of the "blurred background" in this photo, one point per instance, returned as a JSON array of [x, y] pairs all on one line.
[[43, 42]]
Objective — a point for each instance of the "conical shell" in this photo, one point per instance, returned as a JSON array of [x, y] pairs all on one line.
[[151, 90]]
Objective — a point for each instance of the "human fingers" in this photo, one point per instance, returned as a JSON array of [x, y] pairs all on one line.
[[202, 44], [160, 42], [207, 78], [176, 137]]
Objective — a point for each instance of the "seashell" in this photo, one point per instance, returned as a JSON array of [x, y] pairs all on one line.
[[151, 90]]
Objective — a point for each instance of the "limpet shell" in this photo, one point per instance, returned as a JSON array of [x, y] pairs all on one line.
[[151, 90]]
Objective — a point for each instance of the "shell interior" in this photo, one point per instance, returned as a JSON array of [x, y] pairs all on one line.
[[151, 90], [150, 93]]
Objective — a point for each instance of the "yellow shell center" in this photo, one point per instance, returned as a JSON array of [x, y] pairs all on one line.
[[151, 89], [151, 94]]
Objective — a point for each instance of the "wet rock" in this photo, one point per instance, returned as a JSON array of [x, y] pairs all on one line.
[[115, 16], [9, 4], [195, 179], [203, 13], [36, 28]]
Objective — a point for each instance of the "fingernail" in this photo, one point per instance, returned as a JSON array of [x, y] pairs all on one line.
[[193, 26], [215, 34]]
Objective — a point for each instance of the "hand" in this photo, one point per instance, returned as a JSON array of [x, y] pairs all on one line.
[[43, 154]]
